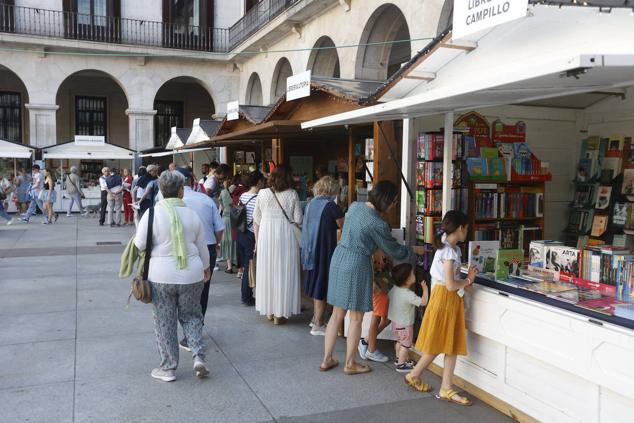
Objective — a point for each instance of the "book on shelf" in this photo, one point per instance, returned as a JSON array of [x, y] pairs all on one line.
[[426, 228], [562, 259], [585, 195], [610, 168], [628, 182], [580, 221], [603, 197], [482, 255], [619, 214], [430, 146], [599, 225], [513, 202], [430, 174], [537, 251], [508, 262]]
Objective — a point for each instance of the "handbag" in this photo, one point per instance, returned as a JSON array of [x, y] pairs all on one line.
[[297, 229], [81, 193], [252, 267], [238, 215], [141, 288]]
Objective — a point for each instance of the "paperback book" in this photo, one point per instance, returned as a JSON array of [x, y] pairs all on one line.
[[562, 259], [603, 197], [537, 251], [482, 255], [508, 263]]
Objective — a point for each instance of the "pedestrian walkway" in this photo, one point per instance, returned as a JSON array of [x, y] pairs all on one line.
[[71, 351]]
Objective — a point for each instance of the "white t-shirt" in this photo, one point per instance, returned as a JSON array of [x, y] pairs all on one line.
[[38, 182], [447, 253], [403, 303], [102, 183]]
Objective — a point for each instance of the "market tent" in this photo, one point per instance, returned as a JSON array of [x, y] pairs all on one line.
[[71, 150], [203, 130], [15, 151], [178, 138], [170, 153], [553, 52]]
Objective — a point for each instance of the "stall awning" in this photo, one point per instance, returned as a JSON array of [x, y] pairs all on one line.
[[203, 130], [172, 152], [552, 52], [71, 150], [13, 150], [178, 138]]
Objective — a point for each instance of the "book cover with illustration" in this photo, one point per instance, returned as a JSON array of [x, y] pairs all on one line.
[[562, 259], [497, 167], [619, 214], [603, 197], [482, 255], [508, 263], [537, 251], [599, 225], [477, 166], [628, 182]]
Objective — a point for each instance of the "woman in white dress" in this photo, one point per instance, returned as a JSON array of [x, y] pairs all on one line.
[[277, 287]]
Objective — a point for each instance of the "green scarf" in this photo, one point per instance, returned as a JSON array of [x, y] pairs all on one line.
[[179, 248]]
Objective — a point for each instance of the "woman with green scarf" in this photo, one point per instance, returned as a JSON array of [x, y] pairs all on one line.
[[179, 266]]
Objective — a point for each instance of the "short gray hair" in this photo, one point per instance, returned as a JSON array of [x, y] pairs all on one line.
[[327, 185], [73, 169], [152, 168], [170, 182]]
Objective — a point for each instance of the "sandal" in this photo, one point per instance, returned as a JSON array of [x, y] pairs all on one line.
[[230, 271], [359, 369], [279, 320], [417, 384], [333, 363], [269, 317], [452, 395]]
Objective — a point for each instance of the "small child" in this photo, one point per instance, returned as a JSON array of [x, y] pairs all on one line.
[[403, 303], [443, 330], [380, 304]]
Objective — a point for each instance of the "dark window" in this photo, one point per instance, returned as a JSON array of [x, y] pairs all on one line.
[[249, 4], [90, 116], [94, 20], [10, 117], [168, 114], [7, 11]]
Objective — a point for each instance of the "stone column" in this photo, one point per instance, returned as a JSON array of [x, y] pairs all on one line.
[[141, 128], [42, 124]]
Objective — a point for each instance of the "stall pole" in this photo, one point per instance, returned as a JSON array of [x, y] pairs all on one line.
[[352, 180], [15, 169], [408, 169], [277, 146], [447, 167]]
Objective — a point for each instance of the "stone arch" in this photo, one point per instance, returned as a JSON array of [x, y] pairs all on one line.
[[278, 83], [324, 59], [179, 101], [92, 83], [446, 16], [12, 84], [379, 61], [253, 95]]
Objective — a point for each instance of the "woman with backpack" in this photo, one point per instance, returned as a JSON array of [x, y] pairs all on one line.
[[245, 236]]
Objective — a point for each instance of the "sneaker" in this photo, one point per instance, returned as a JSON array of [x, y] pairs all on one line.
[[404, 368], [362, 348], [408, 361], [56, 217], [200, 368], [183, 345], [164, 375], [68, 215], [10, 222], [25, 220], [45, 222], [318, 330], [377, 356]]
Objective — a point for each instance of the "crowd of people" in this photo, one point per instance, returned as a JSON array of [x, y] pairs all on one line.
[[260, 226]]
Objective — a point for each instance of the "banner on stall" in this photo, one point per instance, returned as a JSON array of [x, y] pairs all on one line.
[[90, 139], [298, 86], [233, 110], [470, 16]]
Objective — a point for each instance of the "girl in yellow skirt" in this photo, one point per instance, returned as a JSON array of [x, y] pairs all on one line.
[[443, 328]]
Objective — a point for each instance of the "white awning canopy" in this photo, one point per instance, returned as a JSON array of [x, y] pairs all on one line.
[[178, 138], [70, 150], [12, 150], [171, 153], [552, 52], [203, 130]]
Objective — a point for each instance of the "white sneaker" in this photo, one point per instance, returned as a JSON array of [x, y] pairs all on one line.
[[377, 356], [164, 375], [68, 215], [318, 330], [200, 368], [10, 222], [362, 348]]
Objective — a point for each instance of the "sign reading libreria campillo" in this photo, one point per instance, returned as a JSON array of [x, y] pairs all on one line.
[[470, 16]]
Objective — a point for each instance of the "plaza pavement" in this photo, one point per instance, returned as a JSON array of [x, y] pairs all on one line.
[[72, 352]]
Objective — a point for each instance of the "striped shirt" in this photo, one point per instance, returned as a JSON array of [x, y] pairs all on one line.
[[250, 204]]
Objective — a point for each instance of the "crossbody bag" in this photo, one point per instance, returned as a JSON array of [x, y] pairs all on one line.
[[297, 229], [141, 288]]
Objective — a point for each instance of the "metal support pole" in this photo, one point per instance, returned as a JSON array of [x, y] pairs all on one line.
[[447, 166], [408, 169]]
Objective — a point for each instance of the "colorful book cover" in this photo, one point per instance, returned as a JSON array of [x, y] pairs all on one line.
[[489, 152], [610, 168], [584, 170], [562, 259], [496, 167], [537, 252], [615, 146], [599, 225], [619, 214], [477, 167], [628, 182], [482, 255], [521, 150], [603, 197], [508, 263], [471, 147]]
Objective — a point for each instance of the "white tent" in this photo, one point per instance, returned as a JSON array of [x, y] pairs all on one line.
[[203, 130], [71, 150], [12, 150], [178, 138], [552, 52]]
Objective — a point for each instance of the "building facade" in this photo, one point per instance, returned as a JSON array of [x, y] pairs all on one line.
[[131, 69]]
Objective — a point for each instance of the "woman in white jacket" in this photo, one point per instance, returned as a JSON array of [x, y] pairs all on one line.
[[178, 266]]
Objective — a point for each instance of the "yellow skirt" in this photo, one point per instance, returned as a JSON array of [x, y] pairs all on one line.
[[443, 330]]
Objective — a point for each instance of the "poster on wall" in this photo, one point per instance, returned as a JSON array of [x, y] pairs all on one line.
[[477, 127]]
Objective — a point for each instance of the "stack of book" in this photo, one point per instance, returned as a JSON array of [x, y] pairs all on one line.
[[429, 202], [430, 146], [515, 202], [426, 228]]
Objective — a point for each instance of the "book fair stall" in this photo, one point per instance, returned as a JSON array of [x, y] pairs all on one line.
[[540, 158], [89, 154], [14, 156]]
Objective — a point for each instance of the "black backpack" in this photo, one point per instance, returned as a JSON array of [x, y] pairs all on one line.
[[238, 215]]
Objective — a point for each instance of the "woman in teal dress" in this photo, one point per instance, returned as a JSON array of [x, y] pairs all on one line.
[[228, 249], [351, 275]]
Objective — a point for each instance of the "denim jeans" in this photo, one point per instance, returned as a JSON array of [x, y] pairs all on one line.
[[35, 202], [75, 198], [204, 297], [246, 244], [3, 212]]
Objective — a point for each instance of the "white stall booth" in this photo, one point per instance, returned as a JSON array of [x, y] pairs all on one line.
[[533, 356], [175, 150], [203, 130], [89, 154], [12, 157]]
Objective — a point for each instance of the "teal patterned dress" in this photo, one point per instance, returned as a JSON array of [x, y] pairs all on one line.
[[350, 279], [228, 245]]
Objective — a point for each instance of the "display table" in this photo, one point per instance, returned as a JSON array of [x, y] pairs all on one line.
[[547, 358]]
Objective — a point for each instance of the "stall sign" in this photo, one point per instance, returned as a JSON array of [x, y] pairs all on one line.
[[478, 129], [90, 139], [509, 133], [233, 110], [471, 16], [298, 86]]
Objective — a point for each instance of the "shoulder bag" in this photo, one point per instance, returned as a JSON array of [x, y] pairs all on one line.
[[141, 288], [238, 215], [297, 229], [81, 193]]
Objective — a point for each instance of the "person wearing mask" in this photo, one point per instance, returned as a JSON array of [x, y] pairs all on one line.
[[103, 185], [37, 184], [48, 195], [73, 189], [277, 210], [178, 267], [114, 183], [246, 239], [22, 182], [213, 227], [148, 183]]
